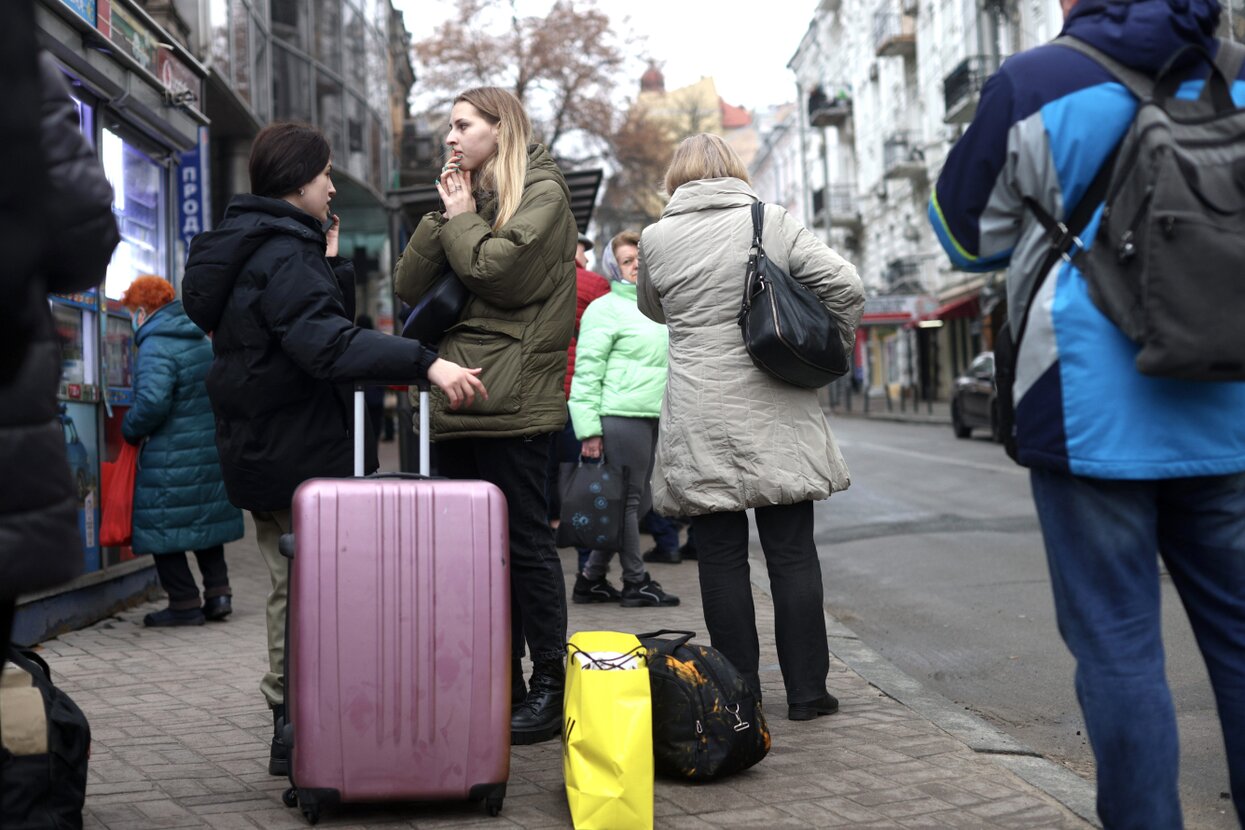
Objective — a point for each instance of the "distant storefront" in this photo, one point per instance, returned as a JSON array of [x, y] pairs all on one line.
[[137, 95]]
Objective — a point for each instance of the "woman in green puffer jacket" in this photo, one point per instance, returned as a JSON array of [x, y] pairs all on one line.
[[179, 494], [616, 395]]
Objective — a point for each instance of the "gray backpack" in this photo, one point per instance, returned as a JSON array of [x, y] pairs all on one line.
[[1168, 263]]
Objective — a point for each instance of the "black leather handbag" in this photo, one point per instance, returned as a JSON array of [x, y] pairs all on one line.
[[789, 333], [437, 310]]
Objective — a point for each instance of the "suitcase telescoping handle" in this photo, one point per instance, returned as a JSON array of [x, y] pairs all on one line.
[[360, 413]]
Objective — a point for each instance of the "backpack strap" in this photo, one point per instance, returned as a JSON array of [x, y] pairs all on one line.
[[1229, 59], [1138, 83]]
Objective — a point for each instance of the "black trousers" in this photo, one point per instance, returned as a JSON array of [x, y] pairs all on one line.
[[786, 533], [179, 583], [537, 589]]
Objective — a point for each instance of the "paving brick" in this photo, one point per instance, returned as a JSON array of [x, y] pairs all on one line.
[[181, 740]]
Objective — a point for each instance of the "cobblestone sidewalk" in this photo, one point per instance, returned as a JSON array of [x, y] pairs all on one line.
[[181, 739]]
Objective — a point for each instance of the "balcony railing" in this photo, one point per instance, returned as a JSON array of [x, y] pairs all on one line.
[[844, 210], [894, 34], [902, 158], [903, 274], [825, 111], [961, 89]]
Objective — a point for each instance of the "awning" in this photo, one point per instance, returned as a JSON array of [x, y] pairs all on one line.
[[583, 184], [966, 307]]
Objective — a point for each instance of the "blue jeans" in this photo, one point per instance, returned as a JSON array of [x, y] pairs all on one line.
[[1101, 537], [664, 531]]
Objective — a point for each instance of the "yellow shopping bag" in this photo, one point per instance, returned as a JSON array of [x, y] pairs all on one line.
[[607, 733]]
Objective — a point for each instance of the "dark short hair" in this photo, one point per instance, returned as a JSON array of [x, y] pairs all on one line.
[[286, 156]]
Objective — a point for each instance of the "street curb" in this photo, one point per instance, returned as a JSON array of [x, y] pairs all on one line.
[[1060, 783]]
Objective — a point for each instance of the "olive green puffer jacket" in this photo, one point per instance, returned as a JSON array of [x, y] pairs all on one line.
[[519, 320]]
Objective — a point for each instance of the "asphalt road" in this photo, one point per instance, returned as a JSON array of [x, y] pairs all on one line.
[[935, 560]]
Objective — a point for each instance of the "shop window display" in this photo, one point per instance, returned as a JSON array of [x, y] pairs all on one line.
[[138, 185]]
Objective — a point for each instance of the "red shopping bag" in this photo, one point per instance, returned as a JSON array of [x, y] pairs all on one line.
[[116, 487]]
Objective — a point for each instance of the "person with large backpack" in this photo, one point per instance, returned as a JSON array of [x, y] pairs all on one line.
[[1105, 173]]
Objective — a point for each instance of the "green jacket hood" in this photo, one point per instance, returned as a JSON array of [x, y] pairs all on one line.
[[542, 168]]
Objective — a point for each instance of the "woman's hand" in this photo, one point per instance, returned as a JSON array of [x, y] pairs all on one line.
[[454, 186], [592, 447], [459, 385], [330, 236]]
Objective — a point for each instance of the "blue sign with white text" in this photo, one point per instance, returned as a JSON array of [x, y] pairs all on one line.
[[192, 193], [84, 9]]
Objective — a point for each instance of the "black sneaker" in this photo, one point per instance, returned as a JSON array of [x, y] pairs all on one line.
[[668, 557], [646, 594], [688, 551], [594, 590]]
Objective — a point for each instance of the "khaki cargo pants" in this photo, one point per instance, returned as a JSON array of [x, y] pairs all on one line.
[[268, 530]]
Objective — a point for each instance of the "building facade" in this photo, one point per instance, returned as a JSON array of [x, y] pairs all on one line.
[[887, 87], [171, 93]]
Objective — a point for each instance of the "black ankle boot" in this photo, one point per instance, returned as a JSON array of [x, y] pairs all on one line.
[[539, 717], [518, 691], [279, 758]]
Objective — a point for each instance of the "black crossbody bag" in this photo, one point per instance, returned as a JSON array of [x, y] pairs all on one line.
[[787, 330]]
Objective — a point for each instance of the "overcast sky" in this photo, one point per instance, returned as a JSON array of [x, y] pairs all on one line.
[[743, 46]]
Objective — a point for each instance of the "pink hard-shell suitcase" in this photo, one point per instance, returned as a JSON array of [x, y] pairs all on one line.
[[398, 645]]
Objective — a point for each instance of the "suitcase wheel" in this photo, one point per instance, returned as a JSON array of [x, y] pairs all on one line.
[[311, 812], [492, 806], [290, 797]]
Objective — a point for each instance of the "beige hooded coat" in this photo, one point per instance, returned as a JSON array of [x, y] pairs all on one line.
[[731, 436]]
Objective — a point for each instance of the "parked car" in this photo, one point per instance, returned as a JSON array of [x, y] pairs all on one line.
[[973, 403]]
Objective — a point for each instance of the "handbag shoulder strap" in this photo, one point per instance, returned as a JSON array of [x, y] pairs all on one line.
[[758, 223]]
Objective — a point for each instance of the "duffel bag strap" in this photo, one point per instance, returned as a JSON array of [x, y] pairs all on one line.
[[668, 646]]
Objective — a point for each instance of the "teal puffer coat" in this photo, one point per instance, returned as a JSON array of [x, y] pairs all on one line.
[[179, 496], [620, 362]]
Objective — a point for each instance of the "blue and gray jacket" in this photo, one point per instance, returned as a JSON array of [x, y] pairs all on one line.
[[1046, 122]]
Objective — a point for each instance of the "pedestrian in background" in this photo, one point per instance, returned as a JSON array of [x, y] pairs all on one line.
[[508, 233], [269, 286], [1122, 465], [58, 233], [733, 438], [589, 285], [615, 405], [179, 496]]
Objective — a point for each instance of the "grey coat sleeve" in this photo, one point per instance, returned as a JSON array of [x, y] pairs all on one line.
[[832, 278], [79, 198]]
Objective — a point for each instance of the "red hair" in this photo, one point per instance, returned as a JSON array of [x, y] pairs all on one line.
[[149, 293]]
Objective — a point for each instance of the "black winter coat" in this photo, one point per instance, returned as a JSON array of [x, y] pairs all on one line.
[[61, 242], [286, 349]]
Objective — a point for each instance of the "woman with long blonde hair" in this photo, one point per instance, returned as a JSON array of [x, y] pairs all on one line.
[[508, 233]]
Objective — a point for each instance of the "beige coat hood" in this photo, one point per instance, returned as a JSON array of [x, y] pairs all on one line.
[[731, 436]]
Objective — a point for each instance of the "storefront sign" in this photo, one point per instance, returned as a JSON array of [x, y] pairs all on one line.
[[181, 83], [80, 299], [103, 17], [84, 9], [898, 308], [132, 37], [192, 192]]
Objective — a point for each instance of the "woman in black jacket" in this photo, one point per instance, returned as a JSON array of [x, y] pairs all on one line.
[[269, 287], [58, 233]]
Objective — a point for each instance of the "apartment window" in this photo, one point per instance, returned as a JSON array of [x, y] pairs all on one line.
[[329, 112], [291, 85], [328, 40], [289, 22]]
